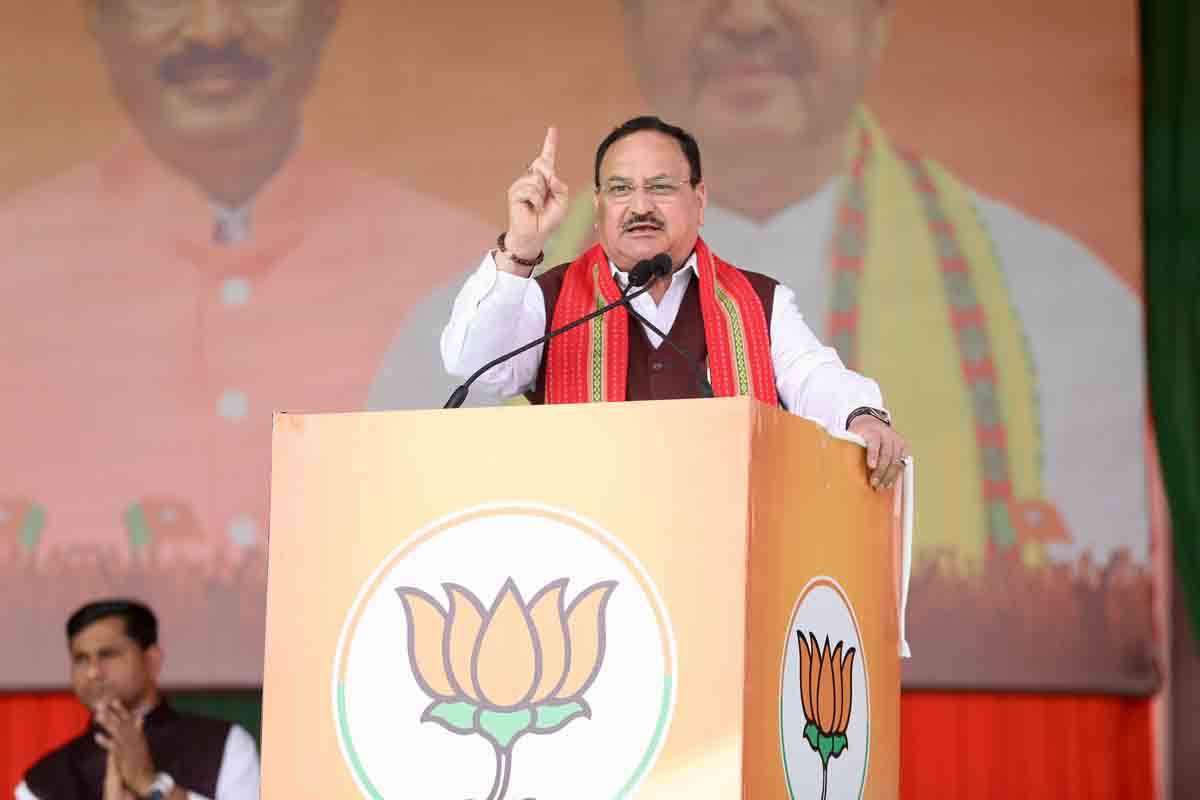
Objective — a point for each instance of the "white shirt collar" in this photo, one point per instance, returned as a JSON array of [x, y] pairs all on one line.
[[231, 226]]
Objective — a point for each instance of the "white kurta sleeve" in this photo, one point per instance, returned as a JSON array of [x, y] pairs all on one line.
[[239, 776], [237, 779], [494, 313], [810, 378]]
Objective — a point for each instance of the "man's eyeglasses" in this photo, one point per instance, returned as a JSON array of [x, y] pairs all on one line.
[[175, 7], [659, 188]]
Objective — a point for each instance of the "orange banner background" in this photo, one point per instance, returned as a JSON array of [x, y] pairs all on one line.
[[1004, 94]]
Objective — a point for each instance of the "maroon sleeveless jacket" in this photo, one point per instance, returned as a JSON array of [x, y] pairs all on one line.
[[189, 748], [655, 374]]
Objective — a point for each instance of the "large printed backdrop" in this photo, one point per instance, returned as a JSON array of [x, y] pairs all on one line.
[[964, 229]]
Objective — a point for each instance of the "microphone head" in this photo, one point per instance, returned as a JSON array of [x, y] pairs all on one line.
[[641, 272], [649, 268]]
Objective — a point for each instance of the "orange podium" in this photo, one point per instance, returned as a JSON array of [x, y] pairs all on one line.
[[695, 599]]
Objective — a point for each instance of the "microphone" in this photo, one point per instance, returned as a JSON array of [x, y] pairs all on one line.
[[643, 271], [648, 269]]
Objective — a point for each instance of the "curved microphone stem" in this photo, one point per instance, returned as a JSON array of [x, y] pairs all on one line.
[[701, 379], [660, 267], [459, 396]]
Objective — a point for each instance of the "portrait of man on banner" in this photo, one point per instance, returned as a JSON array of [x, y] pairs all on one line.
[[214, 265], [1029, 348]]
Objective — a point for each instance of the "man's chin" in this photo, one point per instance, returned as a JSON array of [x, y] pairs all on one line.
[[214, 123], [640, 249], [748, 119]]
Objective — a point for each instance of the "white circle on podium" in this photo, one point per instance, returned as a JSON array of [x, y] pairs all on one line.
[[501, 653], [824, 709]]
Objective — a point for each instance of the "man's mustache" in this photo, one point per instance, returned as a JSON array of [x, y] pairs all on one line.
[[635, 220], [179, 67]]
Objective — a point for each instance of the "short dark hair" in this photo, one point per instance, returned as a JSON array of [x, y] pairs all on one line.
[[140, 622], [687, 143]]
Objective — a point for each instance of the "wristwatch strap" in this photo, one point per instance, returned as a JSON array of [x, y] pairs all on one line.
[[163, 785], [877, 413]]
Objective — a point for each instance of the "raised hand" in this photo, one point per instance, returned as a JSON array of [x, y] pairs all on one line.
[[537, 204]]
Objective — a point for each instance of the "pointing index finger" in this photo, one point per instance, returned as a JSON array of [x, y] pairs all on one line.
[[550, 146]]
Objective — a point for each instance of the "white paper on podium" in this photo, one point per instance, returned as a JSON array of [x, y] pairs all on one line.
[[908, 483]]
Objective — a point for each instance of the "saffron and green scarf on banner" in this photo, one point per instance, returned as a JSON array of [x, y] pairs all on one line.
[[919, 303], [590, 363]]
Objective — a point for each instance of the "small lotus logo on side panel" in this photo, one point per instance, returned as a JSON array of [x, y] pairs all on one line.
[[824, 710]]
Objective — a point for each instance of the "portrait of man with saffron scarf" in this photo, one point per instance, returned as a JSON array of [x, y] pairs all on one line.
[[1010, 354]]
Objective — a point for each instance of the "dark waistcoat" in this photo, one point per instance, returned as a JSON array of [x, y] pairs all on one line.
[[189, 748], [655, 374]]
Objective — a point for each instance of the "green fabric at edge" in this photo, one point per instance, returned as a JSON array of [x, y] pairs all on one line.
[[1171, 118], [243, 706]]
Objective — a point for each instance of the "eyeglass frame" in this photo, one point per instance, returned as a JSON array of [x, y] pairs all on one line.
[[660, 182], [174, 7]]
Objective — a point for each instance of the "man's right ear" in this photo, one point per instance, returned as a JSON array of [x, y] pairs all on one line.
[[154, 660]]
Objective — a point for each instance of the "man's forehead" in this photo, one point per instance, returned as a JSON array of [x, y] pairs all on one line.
[[668, 10], [102, 632], [645, 153]]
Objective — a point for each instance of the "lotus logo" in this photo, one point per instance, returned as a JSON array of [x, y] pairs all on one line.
[[513, 669], [826, 693], [825, 703], [504, 652]]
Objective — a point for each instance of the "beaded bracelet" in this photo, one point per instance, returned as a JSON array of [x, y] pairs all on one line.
[[524, 262]]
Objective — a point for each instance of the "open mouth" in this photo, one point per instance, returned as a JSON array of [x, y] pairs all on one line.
[[643, 227]]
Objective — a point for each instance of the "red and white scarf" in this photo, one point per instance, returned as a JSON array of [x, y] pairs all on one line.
[[590, 363]]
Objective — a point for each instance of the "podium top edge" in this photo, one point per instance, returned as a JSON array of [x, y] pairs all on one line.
[[752, 406]]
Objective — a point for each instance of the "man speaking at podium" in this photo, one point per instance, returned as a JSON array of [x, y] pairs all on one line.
[[649, 198]]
